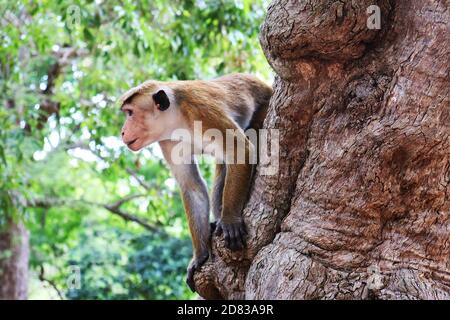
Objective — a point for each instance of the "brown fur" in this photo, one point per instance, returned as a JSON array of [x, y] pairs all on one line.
[[238, 102]]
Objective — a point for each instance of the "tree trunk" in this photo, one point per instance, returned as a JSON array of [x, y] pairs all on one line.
[[359, 208], [14, 253]]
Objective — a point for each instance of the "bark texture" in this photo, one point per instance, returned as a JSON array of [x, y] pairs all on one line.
[[360, 206], [14, 253]]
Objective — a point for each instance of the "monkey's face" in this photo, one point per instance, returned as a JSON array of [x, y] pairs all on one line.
[[146, 120]]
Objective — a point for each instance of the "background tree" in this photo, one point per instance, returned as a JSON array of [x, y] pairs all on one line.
[[360, 206]]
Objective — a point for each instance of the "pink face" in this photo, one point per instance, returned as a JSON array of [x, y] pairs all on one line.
[[145, 122], [140, 128]]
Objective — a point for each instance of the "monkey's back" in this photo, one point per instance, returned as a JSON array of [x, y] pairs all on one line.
[[257, 89]]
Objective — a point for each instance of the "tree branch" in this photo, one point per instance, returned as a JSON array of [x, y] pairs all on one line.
[[113, 208], [50, 282], [141, 182], [129, 217]]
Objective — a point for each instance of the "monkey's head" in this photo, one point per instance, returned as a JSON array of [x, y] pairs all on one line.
[[149, 114]]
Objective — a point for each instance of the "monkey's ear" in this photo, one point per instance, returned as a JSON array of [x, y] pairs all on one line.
[[161, 100]]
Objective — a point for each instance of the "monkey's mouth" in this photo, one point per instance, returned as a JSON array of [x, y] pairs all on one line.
[[131, 142], [132, 145]]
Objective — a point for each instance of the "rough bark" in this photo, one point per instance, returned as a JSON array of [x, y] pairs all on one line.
[[14, 253], [360, 206]]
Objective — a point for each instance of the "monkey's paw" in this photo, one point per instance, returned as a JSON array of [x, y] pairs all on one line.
[[195, 264], [234, 234]]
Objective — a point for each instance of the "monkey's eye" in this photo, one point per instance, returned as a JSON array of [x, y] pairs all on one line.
[[129, 112]]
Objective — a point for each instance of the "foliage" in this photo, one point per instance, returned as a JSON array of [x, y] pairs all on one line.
[[141, 266], [62, 67]]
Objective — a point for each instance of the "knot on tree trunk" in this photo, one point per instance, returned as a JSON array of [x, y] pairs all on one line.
[[323, 29]]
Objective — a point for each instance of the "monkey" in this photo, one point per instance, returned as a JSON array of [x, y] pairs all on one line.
[[155, 110]]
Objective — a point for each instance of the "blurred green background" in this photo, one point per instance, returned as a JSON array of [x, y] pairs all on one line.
[[63, 169]]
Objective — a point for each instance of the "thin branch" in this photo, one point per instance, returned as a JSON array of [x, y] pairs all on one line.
[[113, 208], [129, 217], [141, 182], [120, 202], [50, 282], [78, 144]]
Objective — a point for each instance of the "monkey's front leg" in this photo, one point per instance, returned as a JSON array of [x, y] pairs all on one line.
[[196, 205], [235, 193]]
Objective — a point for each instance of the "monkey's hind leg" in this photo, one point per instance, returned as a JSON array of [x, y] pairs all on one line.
[[235, 193], [217, 193]]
